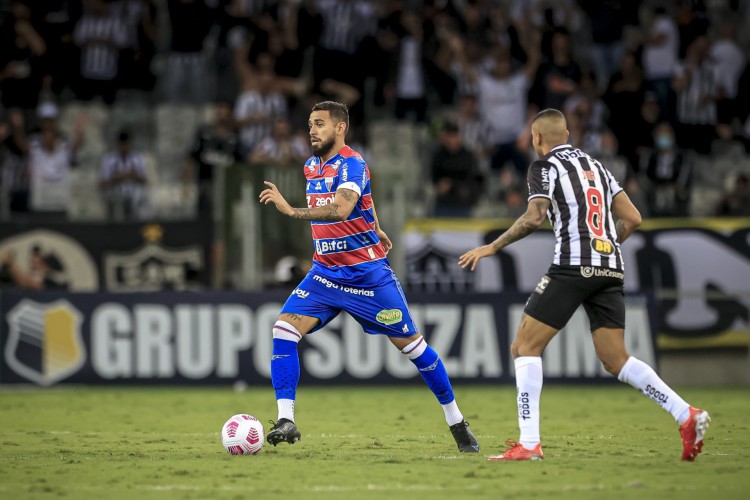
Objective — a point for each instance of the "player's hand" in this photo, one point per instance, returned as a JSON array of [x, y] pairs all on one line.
[[472, 257], [384, 240], [272, 195]]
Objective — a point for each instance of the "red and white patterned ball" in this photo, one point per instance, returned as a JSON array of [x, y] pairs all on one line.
[[242, 435]]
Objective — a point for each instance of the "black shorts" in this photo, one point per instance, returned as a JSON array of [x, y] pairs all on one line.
[[563, 289]]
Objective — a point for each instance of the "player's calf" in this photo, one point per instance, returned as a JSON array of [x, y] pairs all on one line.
[[433, 372]]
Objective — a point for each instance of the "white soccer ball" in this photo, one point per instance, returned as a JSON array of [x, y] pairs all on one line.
[[243, 435]]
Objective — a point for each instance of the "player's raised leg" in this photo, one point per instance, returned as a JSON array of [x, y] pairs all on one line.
[[287, 332], [531, 340], [433, 372], [610, 348]]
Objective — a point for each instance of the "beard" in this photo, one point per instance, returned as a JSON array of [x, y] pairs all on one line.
[[323, 147]]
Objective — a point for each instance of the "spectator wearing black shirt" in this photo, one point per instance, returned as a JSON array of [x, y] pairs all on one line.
[[14, 163], [21, 59], [185, 77], [736, 203], [216, 146], [139, 18], [558, 77], [606, 24], [455, 175], [624, 97], [669, 174]]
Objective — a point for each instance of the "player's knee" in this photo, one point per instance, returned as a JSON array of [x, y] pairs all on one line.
[[613, 362], [415, 348], [286, 331], [526, 347], [514, 349]]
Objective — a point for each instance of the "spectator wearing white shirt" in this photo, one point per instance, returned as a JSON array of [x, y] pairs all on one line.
[[730, 61], [51, 160], [123, 179], [660, 57], [503, 102], [283, 147]]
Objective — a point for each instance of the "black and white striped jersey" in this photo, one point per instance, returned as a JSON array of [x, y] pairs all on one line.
[[581, 191], [346, 23], [266, 108], [100, 40]]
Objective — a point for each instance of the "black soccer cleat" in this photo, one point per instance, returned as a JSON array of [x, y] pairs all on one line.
[[284, 431], [465, 439]]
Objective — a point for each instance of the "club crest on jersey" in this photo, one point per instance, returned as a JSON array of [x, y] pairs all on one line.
[[389, 316], [329, 183], [602, 246], [542, 285]]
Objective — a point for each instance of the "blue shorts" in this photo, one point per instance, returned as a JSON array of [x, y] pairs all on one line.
[[380, 309]]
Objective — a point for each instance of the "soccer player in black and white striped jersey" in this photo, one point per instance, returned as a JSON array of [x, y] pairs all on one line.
[[591, 217]]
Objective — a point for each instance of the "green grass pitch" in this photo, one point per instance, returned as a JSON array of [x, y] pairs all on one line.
[[363, 443]]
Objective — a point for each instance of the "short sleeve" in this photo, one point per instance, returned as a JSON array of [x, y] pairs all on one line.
[[353, 175], [541, 179], [614, 186]]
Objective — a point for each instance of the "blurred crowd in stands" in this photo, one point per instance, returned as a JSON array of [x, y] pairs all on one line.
[[657, 90]]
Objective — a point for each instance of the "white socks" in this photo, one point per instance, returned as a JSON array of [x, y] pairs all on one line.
[[286, 409], [641, 376], [529, 384], [453, 415]]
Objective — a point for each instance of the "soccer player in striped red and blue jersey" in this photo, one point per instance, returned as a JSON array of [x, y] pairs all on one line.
[[350, 272]]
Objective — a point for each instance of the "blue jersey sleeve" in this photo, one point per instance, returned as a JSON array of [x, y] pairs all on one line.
[[353, 175]]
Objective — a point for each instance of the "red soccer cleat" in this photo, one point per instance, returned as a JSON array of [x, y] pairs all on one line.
[[692, 432], [516, 451]]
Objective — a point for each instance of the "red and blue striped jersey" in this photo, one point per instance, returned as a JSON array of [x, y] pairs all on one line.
[[350, 248]]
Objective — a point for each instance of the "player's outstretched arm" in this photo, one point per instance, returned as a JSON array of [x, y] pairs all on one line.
[[342, 206], [529, 222]]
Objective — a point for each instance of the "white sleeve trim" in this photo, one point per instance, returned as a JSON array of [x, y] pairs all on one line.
[[539, 195], [353, 186]]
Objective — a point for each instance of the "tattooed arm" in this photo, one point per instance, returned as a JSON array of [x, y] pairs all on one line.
[[343, 203], [524, 226]]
